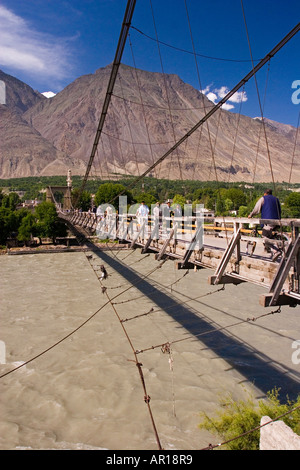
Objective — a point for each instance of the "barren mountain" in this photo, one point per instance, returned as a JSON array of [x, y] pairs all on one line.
[[18, 96], [23, 150], [148, 113]]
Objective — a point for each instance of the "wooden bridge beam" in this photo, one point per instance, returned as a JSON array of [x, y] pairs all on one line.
[[152, 236], [218, 277], [162, 252], [191, 248], [142, 227], [289, 260]]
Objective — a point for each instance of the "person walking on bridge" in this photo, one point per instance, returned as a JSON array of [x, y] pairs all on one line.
[[142, 217], [269, 207]]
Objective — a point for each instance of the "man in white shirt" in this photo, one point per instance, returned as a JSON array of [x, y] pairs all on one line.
[[156, 214], [142, 216]]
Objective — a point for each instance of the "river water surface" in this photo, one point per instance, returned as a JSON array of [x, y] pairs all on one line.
[[84, 390]]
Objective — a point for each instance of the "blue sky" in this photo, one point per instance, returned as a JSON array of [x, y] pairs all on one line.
[[49, 43]]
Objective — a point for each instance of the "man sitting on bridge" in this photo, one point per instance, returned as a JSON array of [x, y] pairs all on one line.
[[269, 207]]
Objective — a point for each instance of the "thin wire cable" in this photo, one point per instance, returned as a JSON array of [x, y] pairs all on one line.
[[215, 143], [190, 52], [151, 144], [156, 106], [167, 90], [116, 127], [259, 100], [214, 330], [142, 102], [129, 127], [138, 364], [105, 158], [112, 154], [259, 136], [152, 310], [154, 290], [200, 86], [294, 151], [217, 106], [83, 323], [262, 114], [236, 134]]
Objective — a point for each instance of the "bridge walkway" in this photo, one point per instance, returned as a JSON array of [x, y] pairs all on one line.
[[225, 244]]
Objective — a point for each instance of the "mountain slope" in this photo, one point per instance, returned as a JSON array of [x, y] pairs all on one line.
[[19, 96], [25, 152], [148, 113]]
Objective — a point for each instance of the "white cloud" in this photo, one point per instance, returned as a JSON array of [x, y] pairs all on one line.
[[22, 48], [222, 91], [218, 93], [238, 97], [212, 97], [206, 90], [227, 106]]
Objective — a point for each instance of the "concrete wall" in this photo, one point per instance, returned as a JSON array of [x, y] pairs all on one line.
[[277, 436]]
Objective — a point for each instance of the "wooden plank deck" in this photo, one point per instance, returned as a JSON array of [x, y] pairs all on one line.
[[246, 261]]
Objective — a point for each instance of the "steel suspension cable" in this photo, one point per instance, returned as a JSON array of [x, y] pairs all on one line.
[[208, 332], [294, 151], [142, 102], [129, 127], [137, 363], [200, 87], [217, 106], [190, 52], [166, 88], [114, 72], [259, 100], [236, 134], [258, 143]]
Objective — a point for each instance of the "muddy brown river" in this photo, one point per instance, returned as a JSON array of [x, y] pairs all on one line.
[[81, 387]]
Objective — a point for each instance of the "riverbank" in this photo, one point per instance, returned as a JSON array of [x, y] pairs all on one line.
[[51, 248]]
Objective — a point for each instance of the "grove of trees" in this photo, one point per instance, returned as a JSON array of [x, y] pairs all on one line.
[[23, 224]]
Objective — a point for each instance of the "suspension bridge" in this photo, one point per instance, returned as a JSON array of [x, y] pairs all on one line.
[[235, 254], [231, 261]]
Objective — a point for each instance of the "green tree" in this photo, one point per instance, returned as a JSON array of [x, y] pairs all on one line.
[[236, 418], [48, 223], [178, 199], [237, 196], [8, 223], [86, 201], [293, 204], [11, 201], [228, 204], [147, 198], [220, 206], [109, 192], [28, 228], [243, 211], [83, 202]]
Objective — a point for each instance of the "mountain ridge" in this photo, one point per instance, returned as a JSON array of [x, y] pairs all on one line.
[[148, 113]]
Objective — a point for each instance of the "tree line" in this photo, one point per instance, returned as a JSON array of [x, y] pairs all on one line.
[[222, 198], [23, 224]]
